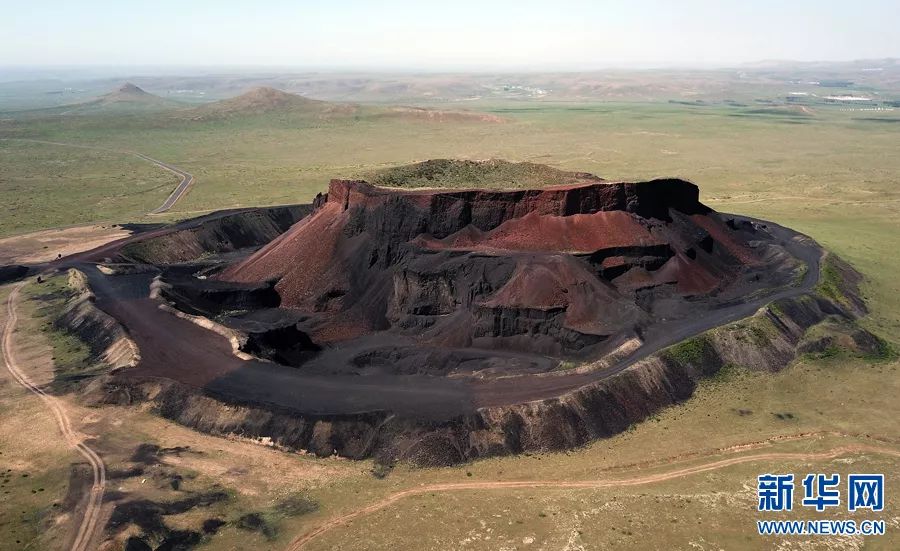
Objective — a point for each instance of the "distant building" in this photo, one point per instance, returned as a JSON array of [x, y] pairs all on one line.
[[847, 99]]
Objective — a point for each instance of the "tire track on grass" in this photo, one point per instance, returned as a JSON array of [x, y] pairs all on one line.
[[90, 518], [341, 520]]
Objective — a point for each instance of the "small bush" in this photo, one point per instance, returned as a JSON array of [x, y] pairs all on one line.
[[296, 505], [256, 522], [693, 351], [381, 470]]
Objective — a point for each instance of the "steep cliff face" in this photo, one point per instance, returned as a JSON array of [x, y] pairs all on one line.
[[557, 271]]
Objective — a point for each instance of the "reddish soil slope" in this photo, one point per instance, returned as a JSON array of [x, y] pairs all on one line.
[[553, 271]]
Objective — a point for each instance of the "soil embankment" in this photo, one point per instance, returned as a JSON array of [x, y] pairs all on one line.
[[109, 342], [214, 234]]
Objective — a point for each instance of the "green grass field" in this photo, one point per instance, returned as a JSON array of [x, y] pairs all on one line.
[[48, 186]]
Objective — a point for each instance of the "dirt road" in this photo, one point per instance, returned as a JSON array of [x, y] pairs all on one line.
[[335, 522], [89, 520]]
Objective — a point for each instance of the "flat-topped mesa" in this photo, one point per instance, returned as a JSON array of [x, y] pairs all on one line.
[[449, 211], [554, 270]]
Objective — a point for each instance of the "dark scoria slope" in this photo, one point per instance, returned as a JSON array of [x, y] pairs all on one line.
[[402, 280]]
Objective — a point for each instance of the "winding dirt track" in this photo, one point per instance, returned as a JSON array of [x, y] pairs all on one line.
[[335, 522], [187, 179], [90, 517]]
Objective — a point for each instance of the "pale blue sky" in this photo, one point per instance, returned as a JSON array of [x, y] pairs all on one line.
[[461, 34]]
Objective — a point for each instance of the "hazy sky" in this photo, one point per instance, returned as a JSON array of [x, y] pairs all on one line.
[[460, 34]]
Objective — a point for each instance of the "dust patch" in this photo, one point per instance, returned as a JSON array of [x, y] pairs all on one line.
[[46, 245]]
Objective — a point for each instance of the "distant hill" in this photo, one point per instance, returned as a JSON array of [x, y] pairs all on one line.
[[264, 100], [129, 92], [126, 99], [130, 99]]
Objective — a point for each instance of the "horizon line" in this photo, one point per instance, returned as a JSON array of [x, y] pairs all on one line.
[[761, 63]]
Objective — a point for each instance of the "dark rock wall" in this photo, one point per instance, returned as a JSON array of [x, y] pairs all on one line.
[[12, 272], [406, 215]]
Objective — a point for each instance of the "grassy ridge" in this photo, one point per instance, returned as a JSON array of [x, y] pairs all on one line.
[[455, 173]]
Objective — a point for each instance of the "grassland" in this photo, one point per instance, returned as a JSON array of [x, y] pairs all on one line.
[[832, 175], [455, 173], [46, 186]]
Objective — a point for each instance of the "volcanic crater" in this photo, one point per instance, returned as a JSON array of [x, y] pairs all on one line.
[[440, 325]]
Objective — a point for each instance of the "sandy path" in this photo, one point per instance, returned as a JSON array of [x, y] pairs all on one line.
[[335, 522], [89, 520]]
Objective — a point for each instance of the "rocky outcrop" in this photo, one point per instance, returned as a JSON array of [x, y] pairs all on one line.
[[197, 297], [445, 326]]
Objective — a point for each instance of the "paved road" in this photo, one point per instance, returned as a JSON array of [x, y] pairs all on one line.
[[186, 178], [680, 472], [89, 520], [186, 181]]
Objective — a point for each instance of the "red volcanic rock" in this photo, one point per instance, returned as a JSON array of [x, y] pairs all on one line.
[[578, 233], [556, 270]]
